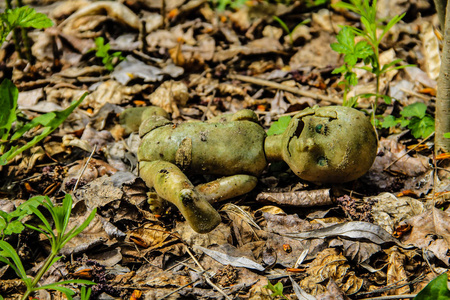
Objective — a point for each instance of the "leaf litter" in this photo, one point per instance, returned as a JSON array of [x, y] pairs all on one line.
[[322, 242]]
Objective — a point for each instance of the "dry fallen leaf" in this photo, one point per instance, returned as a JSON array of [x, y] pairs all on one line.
[[430, 231], [354, 230], [300, 199], [226, 259]]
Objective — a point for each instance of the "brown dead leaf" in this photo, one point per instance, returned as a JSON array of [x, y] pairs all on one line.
[[92, 236], [396, 274], [359, 251], [151, 276], [388, 210], [393, 152], [363, 231], [113, 92], [333, 292], [243, 224], [330, 264], [300, 199], [315, 54], [430, 231], [431, 51], [151, 236], [88, 17], [94, 169], [169, 95]]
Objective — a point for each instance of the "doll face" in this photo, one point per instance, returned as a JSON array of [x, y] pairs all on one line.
[[330, 144]]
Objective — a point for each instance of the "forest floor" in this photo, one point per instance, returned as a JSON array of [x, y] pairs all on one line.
[[383, 234]]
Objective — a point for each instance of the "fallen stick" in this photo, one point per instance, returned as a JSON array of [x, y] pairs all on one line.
[[280, 86]]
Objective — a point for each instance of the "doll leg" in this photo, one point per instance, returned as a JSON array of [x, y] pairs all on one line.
[[227, 187], [172, 185]]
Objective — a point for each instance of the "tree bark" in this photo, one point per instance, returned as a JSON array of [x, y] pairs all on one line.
[[440, 8], [443, 92]]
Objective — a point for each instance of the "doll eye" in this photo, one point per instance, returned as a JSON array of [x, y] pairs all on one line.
[[322, 161], [322, 129]]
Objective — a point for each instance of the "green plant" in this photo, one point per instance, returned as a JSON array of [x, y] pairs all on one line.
[[366, 50], [57, 238], [415, 118], [23, 17], [277, 289], [278, 127], [8, 115], [222, 5], [436, 289], [447, 135], [11, 222], [9, 21], [102, 51], [286, 28], [85, 294]]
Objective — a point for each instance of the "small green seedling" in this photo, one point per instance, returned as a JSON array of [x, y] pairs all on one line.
[[8, 115], [367, 50], [11, 222], [436, 289], [286, 28], [277, 289], [415, 118], [102, 51], [57, 236], [279, 126], [21, 17], [85, 294]]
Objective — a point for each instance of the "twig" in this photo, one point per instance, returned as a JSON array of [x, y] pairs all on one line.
[[84, 168], [423, 97], [179, 289], [390, 287], [409, 296], [284, 87], [413, 148], [206, 277]]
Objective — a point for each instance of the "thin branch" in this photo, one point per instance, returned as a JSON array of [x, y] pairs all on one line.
[[279, 86]]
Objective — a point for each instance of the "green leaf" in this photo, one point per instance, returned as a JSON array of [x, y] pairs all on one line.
[[24, 208], [363, 49], [421, 128], [16, 264], [437, 289], [387, 99], [351, 78], [447, 135], [27, 17], [77, 230], [14, 227], [8, 103], [389, 121], [50, 121], [414, 110], [342, 69], [279, 126], [282, 24], [346, 41], [391, 23]]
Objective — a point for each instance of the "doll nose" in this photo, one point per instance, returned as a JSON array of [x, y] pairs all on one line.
[[307, 145]]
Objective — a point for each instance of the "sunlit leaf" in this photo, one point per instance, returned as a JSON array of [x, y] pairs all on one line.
[[414, 110], [279, 126]]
